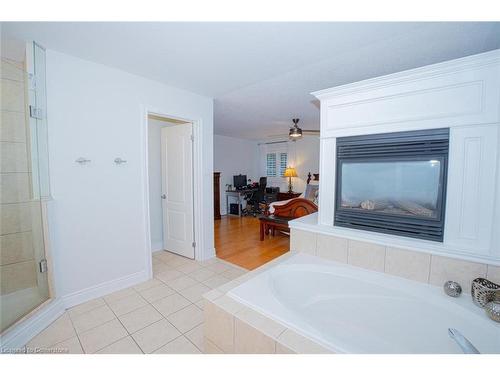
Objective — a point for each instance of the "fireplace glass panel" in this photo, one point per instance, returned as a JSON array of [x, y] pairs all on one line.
[[408, 187]]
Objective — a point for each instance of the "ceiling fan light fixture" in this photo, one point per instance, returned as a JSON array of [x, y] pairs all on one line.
[[295, 132]]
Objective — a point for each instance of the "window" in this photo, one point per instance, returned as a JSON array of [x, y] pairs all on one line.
[[271, 165], [283, 162], [276, 164]]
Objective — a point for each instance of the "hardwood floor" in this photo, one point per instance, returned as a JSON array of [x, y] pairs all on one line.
[[237, 241]]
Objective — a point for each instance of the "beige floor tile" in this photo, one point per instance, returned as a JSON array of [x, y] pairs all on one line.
[[180, 345], [85, 307], [168, 275], [171, 304], [218, 267], [120, 294], [126, 345], [148, 284], [164, 256], [70, 346], [127, 304], [155, 261], [200, 303], [182, 282], [60, 330], [232, 273], [178, 261], [156, 293], [92, 318], [189, 267], [202, 274], [187, 318], [196, 336], [160, 268], [216, 281], [209, 262], [140, 318], [155, 336], [102, 336], [195, 293]]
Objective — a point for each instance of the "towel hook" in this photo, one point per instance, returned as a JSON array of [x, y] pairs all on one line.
[[82, 161]]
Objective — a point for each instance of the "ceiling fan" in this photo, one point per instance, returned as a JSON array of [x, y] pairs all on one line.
[[296, 133]]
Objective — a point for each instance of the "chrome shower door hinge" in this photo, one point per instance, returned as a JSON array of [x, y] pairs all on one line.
[[36, 113], [42, 265]]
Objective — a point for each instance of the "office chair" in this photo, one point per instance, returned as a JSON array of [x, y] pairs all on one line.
[[255, 198]]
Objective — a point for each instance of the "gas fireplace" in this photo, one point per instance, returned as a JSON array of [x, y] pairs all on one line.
[[393, 183]]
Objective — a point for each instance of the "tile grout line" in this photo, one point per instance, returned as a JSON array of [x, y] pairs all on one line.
[[192, 329], [128, 333], [76, 333], [178, 292]]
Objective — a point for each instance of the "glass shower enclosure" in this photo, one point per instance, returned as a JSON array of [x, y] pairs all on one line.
[[24, 181]]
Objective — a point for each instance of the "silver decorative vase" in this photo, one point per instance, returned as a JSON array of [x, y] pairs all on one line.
[[452, 288], [492, 308]]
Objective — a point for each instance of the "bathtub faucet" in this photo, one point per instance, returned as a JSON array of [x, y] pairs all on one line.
[[461, 341]]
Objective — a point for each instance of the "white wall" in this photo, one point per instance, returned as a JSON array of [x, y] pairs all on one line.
[[302, 155], [233, 156], [98, 217]]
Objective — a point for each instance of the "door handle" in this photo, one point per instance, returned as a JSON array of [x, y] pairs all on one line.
[[163, 196]]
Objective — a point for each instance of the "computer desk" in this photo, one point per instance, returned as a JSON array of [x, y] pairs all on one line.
[[238, 194]]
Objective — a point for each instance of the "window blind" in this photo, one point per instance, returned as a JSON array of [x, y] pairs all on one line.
[[271, 165], [283, 163]]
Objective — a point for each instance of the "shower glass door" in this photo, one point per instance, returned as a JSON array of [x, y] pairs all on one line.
[[24, 182]]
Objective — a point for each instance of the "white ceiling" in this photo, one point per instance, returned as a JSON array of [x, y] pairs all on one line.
[[261, 74]]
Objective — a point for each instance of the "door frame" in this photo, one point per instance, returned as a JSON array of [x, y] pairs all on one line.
[[197, 182]]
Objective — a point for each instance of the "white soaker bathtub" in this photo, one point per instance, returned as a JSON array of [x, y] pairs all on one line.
[[353, 310]]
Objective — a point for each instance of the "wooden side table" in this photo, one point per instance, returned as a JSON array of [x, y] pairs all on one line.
[[286, 196]]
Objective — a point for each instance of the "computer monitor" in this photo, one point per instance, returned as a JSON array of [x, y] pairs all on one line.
[[239, 181]]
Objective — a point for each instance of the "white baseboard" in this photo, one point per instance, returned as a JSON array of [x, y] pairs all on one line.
[[155, 247], [24, 331], [107, 287]]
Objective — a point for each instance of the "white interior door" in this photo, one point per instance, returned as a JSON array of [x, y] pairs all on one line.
[[177, 189]]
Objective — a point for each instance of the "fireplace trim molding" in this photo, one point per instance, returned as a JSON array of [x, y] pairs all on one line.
[[462, 95]]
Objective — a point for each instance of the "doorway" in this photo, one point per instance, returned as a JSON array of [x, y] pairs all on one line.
[[171, 176]]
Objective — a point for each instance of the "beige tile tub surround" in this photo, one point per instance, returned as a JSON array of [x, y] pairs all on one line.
[[366, 255], [332, 248], [444, 269], [231, 327], [409, 264], [493, 274], [303, 241], [150, 317]]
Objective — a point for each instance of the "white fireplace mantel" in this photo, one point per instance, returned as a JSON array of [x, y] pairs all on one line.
[[463, 95]]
